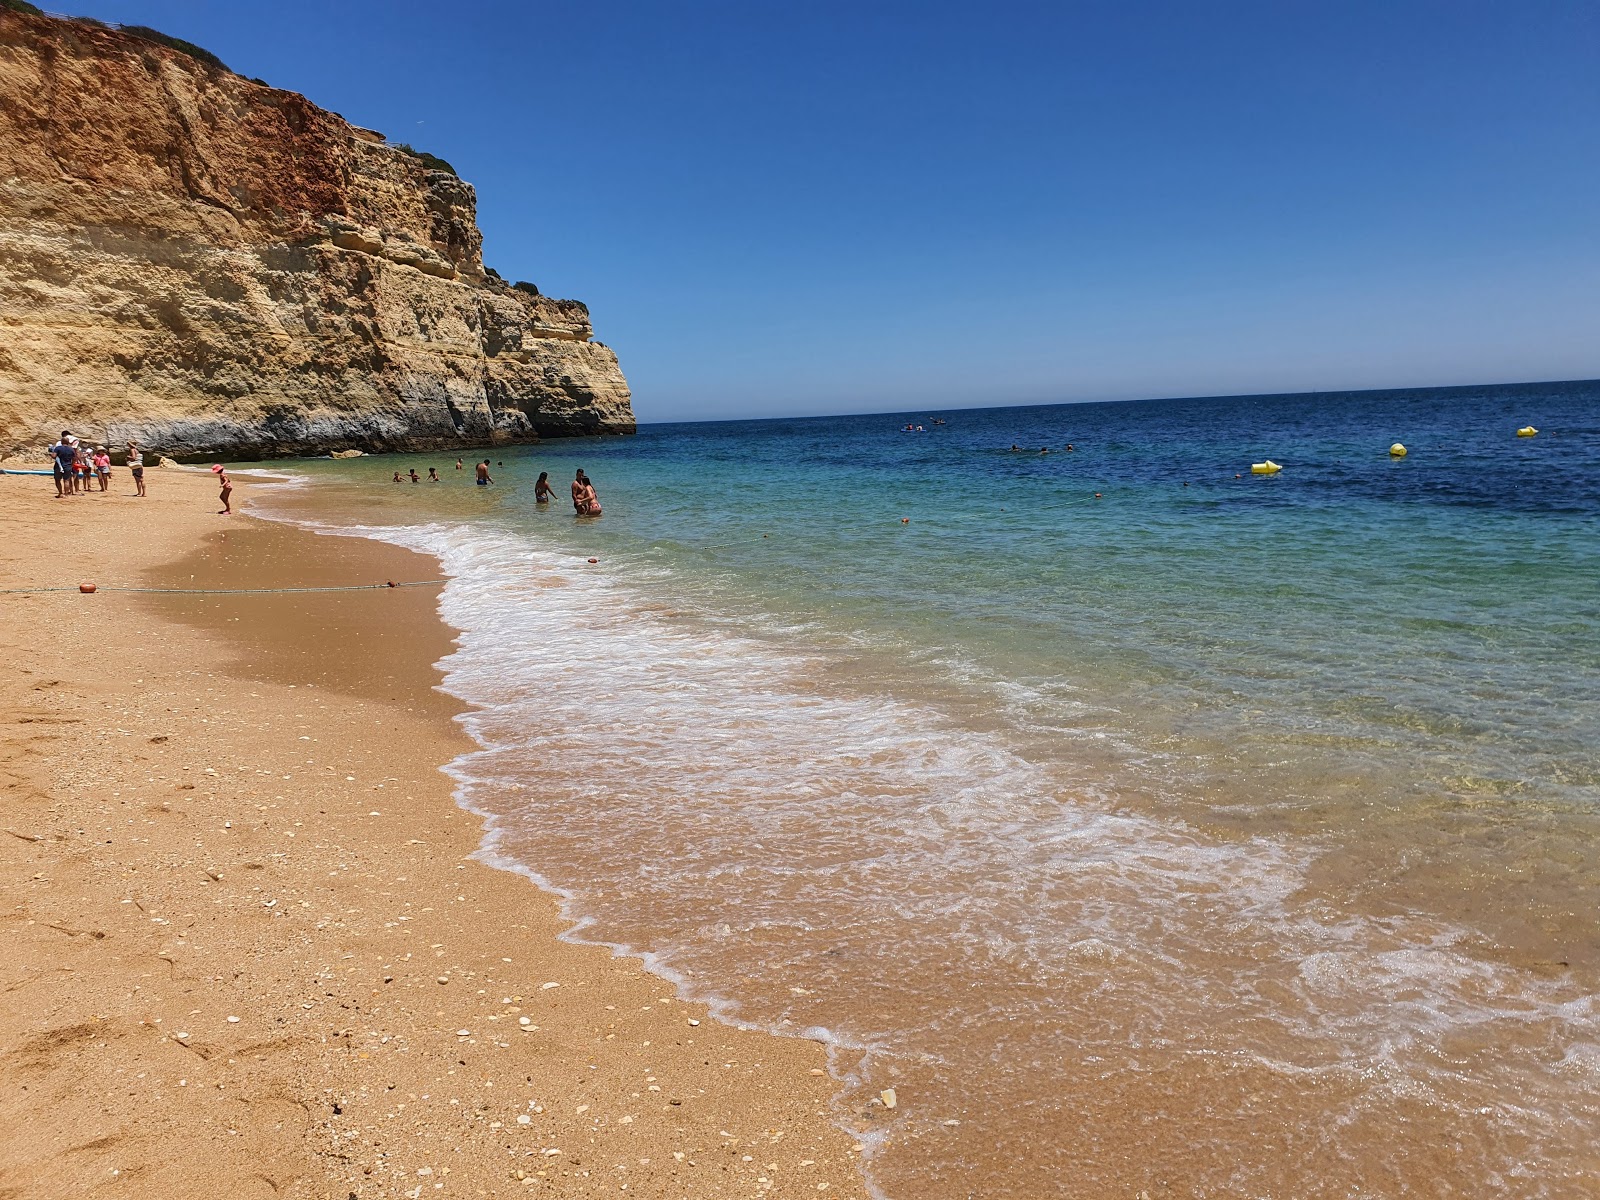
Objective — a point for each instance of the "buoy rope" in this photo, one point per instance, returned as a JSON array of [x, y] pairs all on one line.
[[351, 587]]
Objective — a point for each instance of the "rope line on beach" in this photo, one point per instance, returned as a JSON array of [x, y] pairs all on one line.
[[350, 587]]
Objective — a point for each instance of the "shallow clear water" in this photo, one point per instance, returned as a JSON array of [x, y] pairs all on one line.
[[1219, 835]]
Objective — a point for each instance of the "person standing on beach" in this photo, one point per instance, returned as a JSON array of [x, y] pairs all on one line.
[[136, 467], [482, 471], [62, 456], [226, 494], [102, 467]]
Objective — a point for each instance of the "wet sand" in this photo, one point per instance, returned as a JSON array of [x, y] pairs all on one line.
[[249, 953]]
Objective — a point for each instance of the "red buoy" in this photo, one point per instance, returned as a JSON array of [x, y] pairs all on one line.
[[86, 588]]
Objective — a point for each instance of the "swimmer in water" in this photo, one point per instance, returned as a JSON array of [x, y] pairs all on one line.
[[543, 493], [397, 478], [433, 475], [458, 464], [415, 478]]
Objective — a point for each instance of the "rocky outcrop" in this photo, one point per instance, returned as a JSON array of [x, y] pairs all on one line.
[[218, 267]]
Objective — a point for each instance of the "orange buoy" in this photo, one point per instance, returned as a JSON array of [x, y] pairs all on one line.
[[86, 588], [594, 560]]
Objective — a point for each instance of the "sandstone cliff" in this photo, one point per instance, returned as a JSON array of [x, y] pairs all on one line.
[[219, 267]]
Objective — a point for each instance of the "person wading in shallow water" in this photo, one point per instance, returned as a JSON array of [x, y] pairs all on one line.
[[482, 470], [584, 500], [543, 493]]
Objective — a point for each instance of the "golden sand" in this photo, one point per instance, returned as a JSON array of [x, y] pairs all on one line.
[[248, 953]]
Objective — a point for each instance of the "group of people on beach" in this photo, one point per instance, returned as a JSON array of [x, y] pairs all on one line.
[[585, 501], [79, 467]]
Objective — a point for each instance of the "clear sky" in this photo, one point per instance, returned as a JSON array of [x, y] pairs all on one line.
[[779, 208]]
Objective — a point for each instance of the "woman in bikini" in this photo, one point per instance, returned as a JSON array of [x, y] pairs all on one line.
[[543, 493]]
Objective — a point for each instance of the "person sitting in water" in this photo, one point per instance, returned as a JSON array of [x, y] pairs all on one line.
[[415, 478], [397, 478], [543, 493], [482, 471], [433, 475]]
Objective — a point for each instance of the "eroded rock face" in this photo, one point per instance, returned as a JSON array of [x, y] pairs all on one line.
[[217, 267]]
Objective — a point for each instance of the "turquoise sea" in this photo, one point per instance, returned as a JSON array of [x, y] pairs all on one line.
[[1148, 825]]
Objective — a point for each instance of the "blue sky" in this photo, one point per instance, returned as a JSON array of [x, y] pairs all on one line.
[[780, 208]]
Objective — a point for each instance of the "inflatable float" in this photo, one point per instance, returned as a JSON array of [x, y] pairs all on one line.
[[1527, 431], [1265, 468], [1397, 451]]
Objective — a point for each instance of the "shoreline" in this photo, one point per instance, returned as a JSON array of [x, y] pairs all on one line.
[[285, 978]]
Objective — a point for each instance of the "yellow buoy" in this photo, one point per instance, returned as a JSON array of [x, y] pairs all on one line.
[[1397, 450], [1527, 431], [1265, 468]]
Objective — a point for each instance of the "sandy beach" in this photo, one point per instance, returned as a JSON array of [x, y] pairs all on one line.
[[249, 953]]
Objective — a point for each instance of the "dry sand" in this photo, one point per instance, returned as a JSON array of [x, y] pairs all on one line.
[[247, 953]]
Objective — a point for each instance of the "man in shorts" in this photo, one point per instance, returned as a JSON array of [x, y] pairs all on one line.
[[63, 459], [136, 467]]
